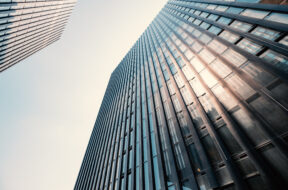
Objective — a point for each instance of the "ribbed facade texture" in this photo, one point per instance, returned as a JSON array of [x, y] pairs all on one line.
[[198, 103], [26, 26]]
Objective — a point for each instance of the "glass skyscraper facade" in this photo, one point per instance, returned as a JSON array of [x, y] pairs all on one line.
[[26, 26], [199, 102]]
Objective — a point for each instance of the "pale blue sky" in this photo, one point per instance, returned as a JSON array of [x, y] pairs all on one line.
[[49, 102]]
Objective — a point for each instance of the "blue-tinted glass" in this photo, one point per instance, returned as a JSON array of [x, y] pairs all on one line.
[[214, 30], [234, 10], [156, 173], [224, 20], [137, 154], [146, 174], [154, 152], [137, 178], [173, 69], [145, 156]]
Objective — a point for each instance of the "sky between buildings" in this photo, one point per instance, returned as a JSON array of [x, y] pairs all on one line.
[[49, 102]]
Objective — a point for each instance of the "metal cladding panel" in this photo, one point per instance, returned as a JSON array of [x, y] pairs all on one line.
[[199, 102]]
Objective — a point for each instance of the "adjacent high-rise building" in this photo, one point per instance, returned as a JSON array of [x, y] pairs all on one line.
[[199, 102], [26, 26]]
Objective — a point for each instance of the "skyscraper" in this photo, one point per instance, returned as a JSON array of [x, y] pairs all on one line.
[[26, 26], [199, 102]]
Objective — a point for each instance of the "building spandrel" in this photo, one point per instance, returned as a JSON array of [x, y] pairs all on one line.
[[199, 102]]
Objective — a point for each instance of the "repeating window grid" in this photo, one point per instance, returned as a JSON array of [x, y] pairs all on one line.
[[185, 156], [12, 25], [264, 41], [247, 77], [102, 157]]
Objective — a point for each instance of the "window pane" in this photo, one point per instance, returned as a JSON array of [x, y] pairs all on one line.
[[276, 59], [224, 20], [214, 30], [209, 79], [197, 64], [224, 97], [278, 17], [234, 10], [211, 149], [228, 36], [249, 46], [284, 41], [265, 33], [245, 27], [242, 88], [220, 68], [254, 13], [234, 57], [217, 46]]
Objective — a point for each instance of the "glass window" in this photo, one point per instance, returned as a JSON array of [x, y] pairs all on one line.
[[272, 113], [243, 26], [265, 33], [153, 145], [178, 80], [254, 13], [257, 74], [207, 56], [189, 54], [215, 30], [276, 59], [284, 41], [221, 8], [205, 39], [229, 140], [249, 46], [227, 101], [204, 14], [228, 36], [146, 175], [209, 107], [224, 20], [278, 17], [251, 129], [213, 17], [197, 64], [242, 88], [173, 68], [211, 149], [186, 95], [197, 12], [196, 117], [188, 72], [197, 33], [219, 67], [171, 87], [197, 47], [209, 79], [234, 10], [197, 21], [204, 25], [183, 124], [190, 41], [217, 46], [211, 6], [156, 173], [176, 103], [234, 57], [197, 87]]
